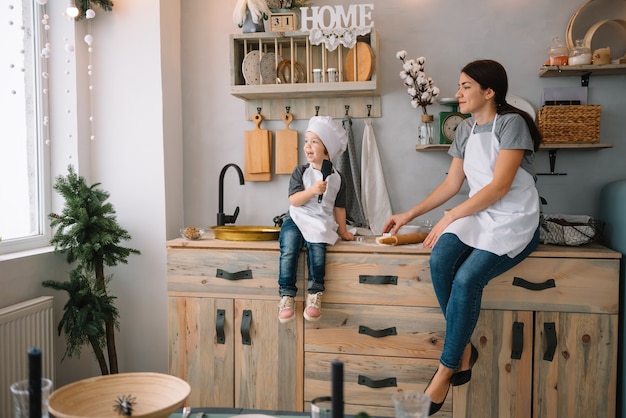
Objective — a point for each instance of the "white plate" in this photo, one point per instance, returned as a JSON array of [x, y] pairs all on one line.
[[250, 68], [521, 104], [268, 67]]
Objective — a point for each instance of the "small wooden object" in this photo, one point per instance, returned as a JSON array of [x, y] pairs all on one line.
[[286, 147], [359, 62], [403, 239], [282, 22], [258, 152]]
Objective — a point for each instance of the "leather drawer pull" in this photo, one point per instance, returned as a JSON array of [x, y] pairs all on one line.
[[220, 320], [518, 340], [246, 322], [518, 281], [243, 274], [377, 333], [377, 384], [549, 329], [369, 279]]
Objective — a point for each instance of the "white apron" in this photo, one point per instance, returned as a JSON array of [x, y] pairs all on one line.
[[316, 220], [508, 225]]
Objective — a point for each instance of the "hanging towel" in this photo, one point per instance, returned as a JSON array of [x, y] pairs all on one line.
[[348, 165], [376, 203]]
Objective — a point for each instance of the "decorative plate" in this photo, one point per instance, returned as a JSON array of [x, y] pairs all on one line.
[[522, 104], [250, 68], [268, 67]]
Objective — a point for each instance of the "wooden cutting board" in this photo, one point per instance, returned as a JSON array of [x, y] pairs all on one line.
[[286, 148], [257, 153], [360, 57]]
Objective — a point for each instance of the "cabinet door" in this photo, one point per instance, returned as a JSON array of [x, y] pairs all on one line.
[[268, 357], [575, 365], [501, 384], [198, 354]]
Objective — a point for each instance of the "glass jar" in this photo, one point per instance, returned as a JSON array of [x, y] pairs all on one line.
[[580, 54], [558, 52], [426, 130]]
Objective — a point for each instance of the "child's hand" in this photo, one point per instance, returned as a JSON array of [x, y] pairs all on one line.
[[347, 236], [319, 187]]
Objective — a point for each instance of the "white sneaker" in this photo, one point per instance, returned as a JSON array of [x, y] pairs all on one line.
[[313, 309], [286, 309]]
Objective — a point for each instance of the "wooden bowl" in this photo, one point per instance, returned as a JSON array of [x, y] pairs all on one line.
[[156, 396]]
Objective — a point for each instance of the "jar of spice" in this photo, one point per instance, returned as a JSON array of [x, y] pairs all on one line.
[[580, 54], [558, 52]]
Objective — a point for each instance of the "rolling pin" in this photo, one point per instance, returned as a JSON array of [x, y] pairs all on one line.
[[403, 239]]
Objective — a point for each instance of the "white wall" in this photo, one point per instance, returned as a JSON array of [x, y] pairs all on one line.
[[159, 147]]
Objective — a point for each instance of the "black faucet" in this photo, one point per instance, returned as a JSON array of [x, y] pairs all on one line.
[[222, 218]]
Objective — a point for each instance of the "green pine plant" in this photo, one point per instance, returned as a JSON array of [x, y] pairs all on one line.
[[88, 234], [84, 5]]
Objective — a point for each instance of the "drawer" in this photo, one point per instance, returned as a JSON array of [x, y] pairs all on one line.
[[225, 273], [386, 279], [400, 331], [561, 284], [369, 381]]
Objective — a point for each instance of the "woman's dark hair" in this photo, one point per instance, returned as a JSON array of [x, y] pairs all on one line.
[[491, 74]]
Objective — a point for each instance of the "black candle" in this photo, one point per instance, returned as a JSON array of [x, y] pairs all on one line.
[[34, 382], [337, 388]]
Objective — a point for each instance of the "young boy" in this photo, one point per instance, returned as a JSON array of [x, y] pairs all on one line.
[[317, 218]]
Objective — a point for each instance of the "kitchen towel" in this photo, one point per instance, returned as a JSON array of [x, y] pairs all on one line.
[[376, 203], [348, 165]]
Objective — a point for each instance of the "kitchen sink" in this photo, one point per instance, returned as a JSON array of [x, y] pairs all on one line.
[[246, 232]]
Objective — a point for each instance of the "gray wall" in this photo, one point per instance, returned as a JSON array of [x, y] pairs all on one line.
[[449, 34]]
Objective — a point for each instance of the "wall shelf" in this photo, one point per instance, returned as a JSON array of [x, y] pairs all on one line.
[[275, 90], [584, 71]]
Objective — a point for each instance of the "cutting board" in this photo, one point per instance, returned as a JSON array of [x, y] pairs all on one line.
[[257, 152], [361, 57], [286, 148]]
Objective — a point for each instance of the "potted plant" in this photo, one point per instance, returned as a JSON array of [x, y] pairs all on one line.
[[88, 234]]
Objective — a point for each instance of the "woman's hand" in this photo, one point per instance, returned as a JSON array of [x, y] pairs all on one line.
[[396, 222], [435, 233]]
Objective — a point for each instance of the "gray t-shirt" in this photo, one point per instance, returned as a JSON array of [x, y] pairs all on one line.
[[512, 132]]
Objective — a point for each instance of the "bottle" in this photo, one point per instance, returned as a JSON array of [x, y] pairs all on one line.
[[580, 54], [558, 52]]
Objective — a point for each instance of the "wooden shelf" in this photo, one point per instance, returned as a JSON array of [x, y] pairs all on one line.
[[305, 98], [581, 70], [445, 147]]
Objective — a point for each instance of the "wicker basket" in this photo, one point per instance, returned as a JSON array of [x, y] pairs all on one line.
[[576, 124]]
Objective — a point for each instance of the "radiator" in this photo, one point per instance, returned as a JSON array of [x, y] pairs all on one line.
[[22, 326]]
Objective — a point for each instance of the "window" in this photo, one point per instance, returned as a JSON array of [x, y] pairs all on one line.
[[24, 156]]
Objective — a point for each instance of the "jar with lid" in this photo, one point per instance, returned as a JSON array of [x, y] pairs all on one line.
[[558, 52], [580, 54]]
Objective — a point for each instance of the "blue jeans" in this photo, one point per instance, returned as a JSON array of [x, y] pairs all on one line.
[[291, 244], [459, 274]]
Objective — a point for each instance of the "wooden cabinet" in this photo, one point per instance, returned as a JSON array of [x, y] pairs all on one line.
[[224, 336], [381, 318], [548, 348], [271, 71]]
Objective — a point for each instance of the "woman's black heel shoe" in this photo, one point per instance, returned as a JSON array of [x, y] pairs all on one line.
[[435, 407], [464, 376]]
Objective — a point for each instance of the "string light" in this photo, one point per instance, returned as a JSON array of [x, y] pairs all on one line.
[[72, 10]]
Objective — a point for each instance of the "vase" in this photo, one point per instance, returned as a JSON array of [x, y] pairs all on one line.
[[426, 130], [249, 26]]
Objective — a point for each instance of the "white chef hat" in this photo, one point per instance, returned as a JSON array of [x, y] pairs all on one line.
[[331, 133]]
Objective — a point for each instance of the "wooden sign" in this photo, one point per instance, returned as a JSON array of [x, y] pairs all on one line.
[[282, 22]]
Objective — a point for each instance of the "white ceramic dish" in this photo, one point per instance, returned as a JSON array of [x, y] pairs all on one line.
[[522, 104], [250, 68], [267, 67]]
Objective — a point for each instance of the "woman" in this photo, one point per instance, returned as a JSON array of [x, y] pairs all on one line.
[[491, 231]]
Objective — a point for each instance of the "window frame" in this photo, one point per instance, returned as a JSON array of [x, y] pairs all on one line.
[[41, 238]]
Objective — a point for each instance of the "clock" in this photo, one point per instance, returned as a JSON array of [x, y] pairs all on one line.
[[448, 121]]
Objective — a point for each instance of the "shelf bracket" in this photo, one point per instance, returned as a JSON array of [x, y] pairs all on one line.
[[552, 156], [584, 79]]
